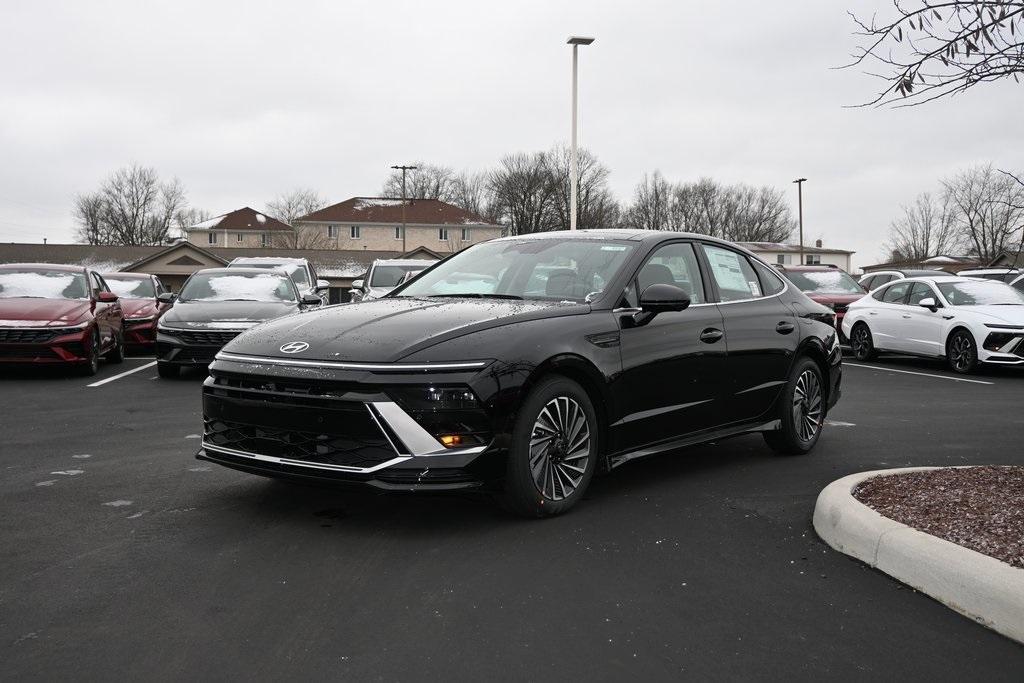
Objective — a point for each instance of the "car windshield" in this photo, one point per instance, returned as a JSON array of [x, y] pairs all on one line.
[[981, 293], [545, 269], [238, 287], [131, 288], [824, 282], [41, 283], [390, 276]]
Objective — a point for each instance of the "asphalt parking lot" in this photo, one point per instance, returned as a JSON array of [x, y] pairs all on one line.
[[124, 557]]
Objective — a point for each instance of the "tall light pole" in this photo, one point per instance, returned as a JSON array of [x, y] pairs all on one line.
[[800, 209], [403, 169], [574, 167]]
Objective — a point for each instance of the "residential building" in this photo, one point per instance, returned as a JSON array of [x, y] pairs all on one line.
[[789, 254], [949, 264], [243, 228], [375, 224]]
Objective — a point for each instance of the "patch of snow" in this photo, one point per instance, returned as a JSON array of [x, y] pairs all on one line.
[[375, 201], [262, 287], [211, 223], [260, 218], [118, 503], [940, 259], [48, 482], [69, 473], [49, 286], [192, 436], [81, 456], [137, 515]]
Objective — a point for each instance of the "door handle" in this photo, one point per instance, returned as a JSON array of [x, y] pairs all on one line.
[[906, 316], [710, 335], [784, 327], [872, 313]]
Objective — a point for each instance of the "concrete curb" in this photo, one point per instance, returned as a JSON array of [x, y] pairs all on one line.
[[975, 585]]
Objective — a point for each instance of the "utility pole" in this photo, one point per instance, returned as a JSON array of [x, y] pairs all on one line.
[[800, 209], [403, 169], [574, 170]]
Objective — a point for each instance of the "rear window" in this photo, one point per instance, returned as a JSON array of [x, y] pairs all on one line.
[[894, 294], [824, 282]]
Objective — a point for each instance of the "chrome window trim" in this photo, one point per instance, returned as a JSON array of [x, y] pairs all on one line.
[[353, 365]]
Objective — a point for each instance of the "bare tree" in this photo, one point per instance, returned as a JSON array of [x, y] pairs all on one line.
[[302, 237], [471, 192], [596, 207], [990, 209], [652, 201], [134, 208], [287, 207], [931, 50], [426, 181], [928, 227], [524, 196], [761, 215]]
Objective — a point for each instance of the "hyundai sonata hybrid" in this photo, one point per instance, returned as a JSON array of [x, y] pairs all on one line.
[[56, 314], [216, 305], [966, 321], [524, 365]]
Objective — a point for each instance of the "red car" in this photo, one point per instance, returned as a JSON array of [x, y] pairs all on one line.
[[58, 315], [828, 285], [137, 293]]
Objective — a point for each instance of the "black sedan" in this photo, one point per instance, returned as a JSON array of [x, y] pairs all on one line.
[[215, 306], [527, 364]]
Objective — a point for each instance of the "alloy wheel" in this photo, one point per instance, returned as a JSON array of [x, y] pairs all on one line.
[[860, 342], [807, 405], [961, 352], [560, 447]]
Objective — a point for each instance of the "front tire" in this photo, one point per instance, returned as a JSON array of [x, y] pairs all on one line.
[[962, 352], [92, 365], [862, 342], [802, 412], [116, 354], [554, 450], [167, 370]]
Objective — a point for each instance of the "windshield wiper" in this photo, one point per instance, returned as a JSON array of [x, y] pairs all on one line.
[[239, 299], [475, 295]]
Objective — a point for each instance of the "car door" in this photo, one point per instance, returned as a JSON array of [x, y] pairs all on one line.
[[671, 380], [885, 319], [922, 326], [761, 331], [102, 312]]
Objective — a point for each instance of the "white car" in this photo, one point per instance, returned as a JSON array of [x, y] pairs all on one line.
[[997, 274], [966, 321], [1018, 283], [384, 275]]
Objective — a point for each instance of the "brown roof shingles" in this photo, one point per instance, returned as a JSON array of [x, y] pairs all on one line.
[[389, 210], [243, 219]]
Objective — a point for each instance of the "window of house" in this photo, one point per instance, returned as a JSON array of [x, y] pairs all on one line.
[[467, 234], [442, 234], [263, 239], [332, 231], [238, 237], [814, 259], [398, 232], [783, 259], [354, 232], [211, 237]]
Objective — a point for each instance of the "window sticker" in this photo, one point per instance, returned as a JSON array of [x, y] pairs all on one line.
[[728, 271]]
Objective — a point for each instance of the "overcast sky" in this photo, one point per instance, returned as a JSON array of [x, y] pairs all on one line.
[[242, 101]]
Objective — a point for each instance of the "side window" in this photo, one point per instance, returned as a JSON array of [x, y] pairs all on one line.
[[920, 291], [866, 282], [770, 281], [896, 293], [733, 274], [881, 280], [300, 276], [672, 264], [96, 284]]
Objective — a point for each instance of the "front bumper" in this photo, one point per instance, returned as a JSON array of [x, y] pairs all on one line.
[[44, 346], [140, 335], [188, 347]]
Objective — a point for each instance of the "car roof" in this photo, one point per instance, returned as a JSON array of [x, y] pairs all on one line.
[[815, 268], [990, 271], [241, 271], [47, 266], [128, 276], [628, 234], [284, 260], [932, 278], [404, 262]]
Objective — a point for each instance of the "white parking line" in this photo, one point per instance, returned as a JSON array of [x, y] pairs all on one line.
[[922, 374], [123, 374]]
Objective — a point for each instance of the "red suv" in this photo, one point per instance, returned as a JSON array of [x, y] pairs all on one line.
[[828, 285], [58, 314], [137, 293]]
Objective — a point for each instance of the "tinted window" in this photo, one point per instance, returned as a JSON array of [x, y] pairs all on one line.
[[881, 280], [824, 281], [131, 288], [895, 293], [866, 282], [733, 274], [771, 283], [920, 291], [981, 292], [673, 264], [300, 276], [33, 283], [1019, 285]]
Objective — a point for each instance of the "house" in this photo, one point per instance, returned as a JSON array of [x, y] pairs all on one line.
[[173, 264], [375, 223], [789, 254], [243, 228], [949, 264]]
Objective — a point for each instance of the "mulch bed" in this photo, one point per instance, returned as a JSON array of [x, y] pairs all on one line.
[[981, 508]]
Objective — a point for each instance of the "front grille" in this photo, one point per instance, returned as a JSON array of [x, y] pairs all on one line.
[[196, 354], [16, 335], [218, 337], [840, 308], [14, 352], [359, 448]]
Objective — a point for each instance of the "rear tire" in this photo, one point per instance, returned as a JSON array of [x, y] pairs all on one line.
[[554, 450], [166, 370], [962, 352], [862, 343], [116, 354], [802, 411]]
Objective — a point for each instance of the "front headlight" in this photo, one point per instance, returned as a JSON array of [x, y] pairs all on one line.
[[69, 329], [139, 319]]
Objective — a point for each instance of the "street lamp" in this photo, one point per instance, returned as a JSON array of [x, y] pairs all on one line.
[[574, 170], [403, 169], [800, 204]]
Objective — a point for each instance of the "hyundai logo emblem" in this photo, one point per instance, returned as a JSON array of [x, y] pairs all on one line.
[[294, 347]]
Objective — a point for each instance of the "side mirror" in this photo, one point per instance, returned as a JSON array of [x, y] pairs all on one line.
[[311, 300], [357, 284], [106, 297], [322, 285], [166, 297], [929, 303], [663, 299]]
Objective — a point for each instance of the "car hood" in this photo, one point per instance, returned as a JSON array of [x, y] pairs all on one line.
[[1013, 315], [36, 312], [387, 330], [223, 313], [835, 298], [138, 308]]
